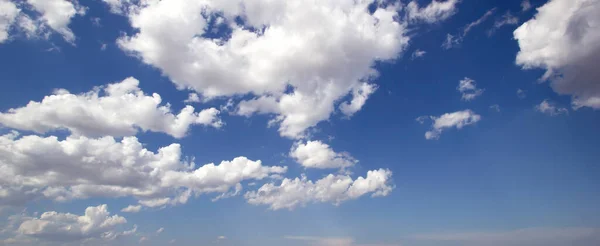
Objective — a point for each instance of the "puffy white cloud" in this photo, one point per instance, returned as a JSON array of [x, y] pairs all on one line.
[[298, 60], [33, 167], [316, 154], [121, 110], [468, 88], [132, 209], [192, 98], [57, 14], [117, 6], [335, 189], [8, 15], [434, 12], [563, 39], [550, 108], [458, 119], [506, 19], [360, 95], [95, 223]]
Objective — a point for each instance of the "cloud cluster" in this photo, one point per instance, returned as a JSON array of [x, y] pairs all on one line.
[[468, 88], [34, 167], [458, 120], [550, 108], [563, 39], [335, 189], [296, 61], [119, 109], [51, 15]]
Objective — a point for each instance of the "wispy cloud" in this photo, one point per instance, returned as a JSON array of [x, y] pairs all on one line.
[[454, 40]]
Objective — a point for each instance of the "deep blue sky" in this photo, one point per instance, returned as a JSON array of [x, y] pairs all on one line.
[[514, 169]]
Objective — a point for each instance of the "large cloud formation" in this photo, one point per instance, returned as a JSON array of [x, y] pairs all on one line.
[[122, 110], [298, 61], [563, 38]]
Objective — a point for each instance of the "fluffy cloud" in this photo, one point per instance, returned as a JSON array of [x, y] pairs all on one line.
[[316, 154], [563, 39], [132, 209], [550, 108], [57, 14], [95, 223], [8, 15], [458, 119], [33, 167], [434, 12], [297, 60], [334, 189], [468, 88], [122, 110]]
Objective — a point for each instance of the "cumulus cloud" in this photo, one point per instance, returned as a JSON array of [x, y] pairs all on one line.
[[298, 61], [57, 14], [33, 167], [8, 15], [132, 209], [95, 223], [468, 88], [458, 120], [335, 189], [550, 108], [563, 39], [434, 12], [122, 109], [316, 154]]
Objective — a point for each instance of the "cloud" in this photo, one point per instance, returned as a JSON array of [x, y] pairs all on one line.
[[434, 12], [495, 107], [521, 94], [117, 6], [192, 98], [296, 62], [525, 5], [506, 19], [34, 167], [8, 15], [121, 110], [452, 41], [418, 54], [468, 88], [520, 237], [458, 120], [132, 209], [335, 189], [57, 14], [160, 230], [316, 154], [95, 223], [563, 39], [550, 108]]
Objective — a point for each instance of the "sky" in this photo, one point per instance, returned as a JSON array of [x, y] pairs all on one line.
[[300, 123]]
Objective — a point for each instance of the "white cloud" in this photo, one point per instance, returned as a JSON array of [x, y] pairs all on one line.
[[360, 95], [458, 119], [563, 39], [95, 223], [525, 5], [297, 60], [495, 107], [521, 94], [334, 189], [57, 14], [519, 237], [160, 230], [8, 15], [316, 154], [468, 88], [132, 209], [434, 12], [550, 108], [33, 167], [122, 110], [418, 53], [192, 98], [117, 6], [452, 41], [506, 19], [221, 238]]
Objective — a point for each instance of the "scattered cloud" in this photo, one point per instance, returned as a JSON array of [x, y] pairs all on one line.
[[335, 189], [132, 209], [468, 88], [160, 230], [436, 11], [521, 94], [8, 15], [316, 154], [458, 120], [418, 54], [452, 41], [192, 98], [96, 21], [563, 40], [495, 107], [506, 19], [57, 15], [103, 47], [525, 5], [550, 108], [122, 110]]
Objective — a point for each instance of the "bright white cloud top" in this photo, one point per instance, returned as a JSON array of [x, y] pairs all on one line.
[[563, 38], [316, 154], [119, 109]]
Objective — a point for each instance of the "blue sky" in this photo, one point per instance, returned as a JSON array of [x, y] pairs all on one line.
[[418, 157]]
